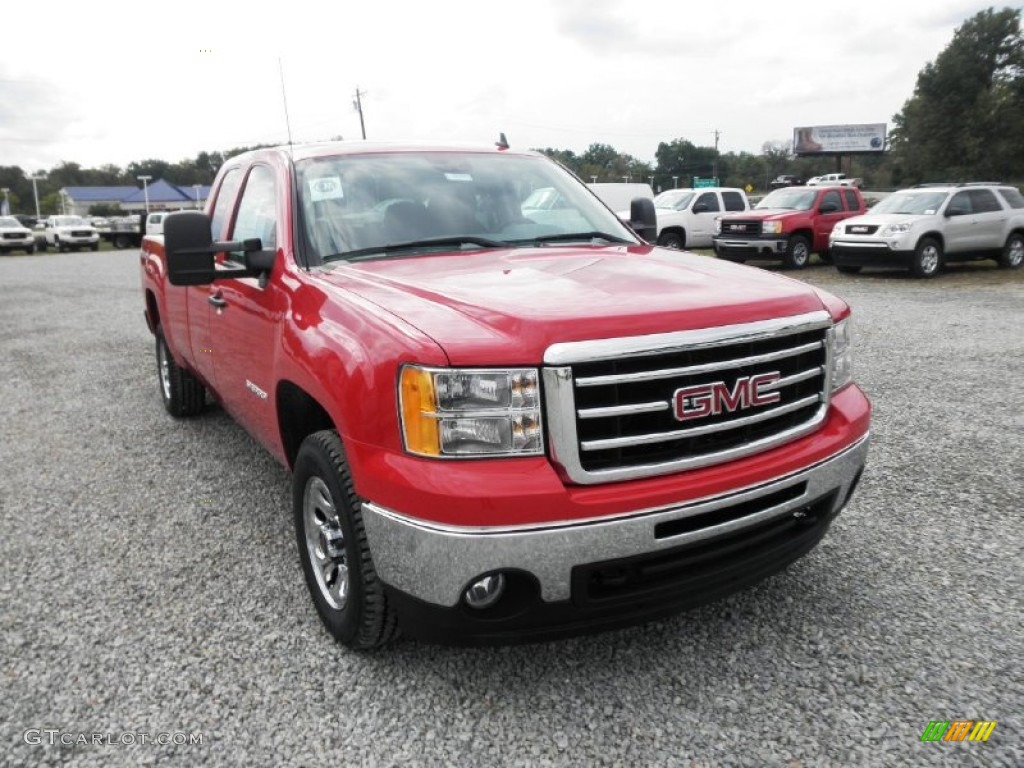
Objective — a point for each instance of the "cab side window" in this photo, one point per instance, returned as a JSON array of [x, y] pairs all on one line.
[[960, 204], [225, 199], [983, 201], [709, 199], [257, 210], [832, 196], [733, 201]]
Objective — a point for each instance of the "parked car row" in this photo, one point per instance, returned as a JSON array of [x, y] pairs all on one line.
[[918, 229]]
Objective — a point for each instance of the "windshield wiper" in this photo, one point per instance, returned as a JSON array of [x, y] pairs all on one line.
[[429, 242], [566, 236]]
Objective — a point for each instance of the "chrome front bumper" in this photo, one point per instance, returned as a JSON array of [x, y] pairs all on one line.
[[435, 563]]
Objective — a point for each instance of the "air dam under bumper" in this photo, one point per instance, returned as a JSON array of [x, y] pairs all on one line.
[[572, 578], [768, 246]]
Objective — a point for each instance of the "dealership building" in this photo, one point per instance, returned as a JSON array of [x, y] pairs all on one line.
[[161, 195]]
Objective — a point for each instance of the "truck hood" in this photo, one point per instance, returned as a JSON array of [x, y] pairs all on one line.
[[507, 306], [766, 214]]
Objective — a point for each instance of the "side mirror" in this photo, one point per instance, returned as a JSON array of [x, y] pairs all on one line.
[[701, 208], [954, 212], [643, 219], [828, 208], [190, 250]]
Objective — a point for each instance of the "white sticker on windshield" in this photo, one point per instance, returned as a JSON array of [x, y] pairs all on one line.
[[458, 177], [326, 188], [930, 212]]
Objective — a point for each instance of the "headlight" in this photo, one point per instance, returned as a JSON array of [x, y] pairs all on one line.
[[896, 229], [771, 227], [840, 339], [837, 229], [465, 412]]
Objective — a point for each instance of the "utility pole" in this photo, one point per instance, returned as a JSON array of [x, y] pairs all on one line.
[[35, 190], [714, 170], [358, 106]]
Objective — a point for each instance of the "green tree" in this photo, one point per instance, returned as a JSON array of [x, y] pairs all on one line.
[[965, 119]]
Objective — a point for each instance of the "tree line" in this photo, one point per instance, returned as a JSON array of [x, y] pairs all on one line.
[[964, 121]]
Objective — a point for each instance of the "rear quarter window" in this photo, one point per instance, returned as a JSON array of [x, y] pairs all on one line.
[[852, 203], [1013, 198]]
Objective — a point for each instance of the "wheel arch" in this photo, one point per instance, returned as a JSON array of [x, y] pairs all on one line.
[[934, 235], [152, 311], [299, 415]]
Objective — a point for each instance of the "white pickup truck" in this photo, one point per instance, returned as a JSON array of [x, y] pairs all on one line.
[[833, 180], [686, 217]]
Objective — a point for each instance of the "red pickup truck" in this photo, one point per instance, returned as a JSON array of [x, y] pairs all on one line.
[[502, 427], [788, 224]]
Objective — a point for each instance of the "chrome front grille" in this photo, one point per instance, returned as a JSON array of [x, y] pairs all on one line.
[[642, 406], [741, 227]]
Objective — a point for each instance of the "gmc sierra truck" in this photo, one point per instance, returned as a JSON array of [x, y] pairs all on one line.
[[501, 429], [788, 224]]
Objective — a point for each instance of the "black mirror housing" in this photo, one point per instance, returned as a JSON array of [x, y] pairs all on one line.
[[187, 244], [828, 208], [643, 218], [701, 208], [190, 251]]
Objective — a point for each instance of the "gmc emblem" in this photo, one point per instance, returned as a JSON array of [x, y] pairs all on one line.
[[702, 400], [858, 230]]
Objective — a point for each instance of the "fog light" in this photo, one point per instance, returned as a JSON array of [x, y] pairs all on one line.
[[485, 592]]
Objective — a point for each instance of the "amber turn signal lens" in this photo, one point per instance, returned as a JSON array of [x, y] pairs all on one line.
[[419, 406]]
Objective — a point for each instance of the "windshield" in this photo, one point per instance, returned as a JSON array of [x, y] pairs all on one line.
[[68, 221], [789, 199], [371, 203], [9, 221], [674, 199], [913, 203]]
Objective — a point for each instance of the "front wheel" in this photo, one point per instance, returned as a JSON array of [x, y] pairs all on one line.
[[798, 253], [182, 393], [676, 240], [927, 258], [30, 250], [1013, 254], [333, 548]]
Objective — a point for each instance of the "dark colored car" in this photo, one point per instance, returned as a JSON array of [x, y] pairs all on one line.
[[785, 180]]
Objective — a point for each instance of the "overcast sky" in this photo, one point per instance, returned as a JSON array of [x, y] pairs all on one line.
[[110, 82]]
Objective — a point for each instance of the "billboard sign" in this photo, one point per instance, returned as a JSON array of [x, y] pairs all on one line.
[[837, 139]]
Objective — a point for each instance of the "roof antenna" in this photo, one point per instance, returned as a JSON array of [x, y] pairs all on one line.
[[502, 142], [284, 98]]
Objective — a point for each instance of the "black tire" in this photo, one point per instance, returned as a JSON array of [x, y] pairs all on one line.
[[1013, 253], [329, 530], [674, 240], [30, 250], [58, 246], [181, 392], [121, 241], [43, 246], [927, 258], [848, 269], [798, 252]]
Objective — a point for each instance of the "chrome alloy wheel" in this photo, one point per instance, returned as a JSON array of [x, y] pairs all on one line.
[[1015, 252], [325, 543], [929, 259], [164, 365]]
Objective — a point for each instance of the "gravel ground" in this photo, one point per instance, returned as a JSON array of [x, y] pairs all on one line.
[[151, 583]]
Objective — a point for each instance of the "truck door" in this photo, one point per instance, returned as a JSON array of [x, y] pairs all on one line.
[[197, 298], [960, 223], [706, 208], [990, 220], [244, 316], [826, 219]]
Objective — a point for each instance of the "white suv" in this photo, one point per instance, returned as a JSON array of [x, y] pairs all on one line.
[[922, 228], [69, 233]]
